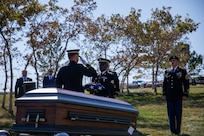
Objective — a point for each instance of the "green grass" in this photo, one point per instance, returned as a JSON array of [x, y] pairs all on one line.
[[6, 119], [152, 119]]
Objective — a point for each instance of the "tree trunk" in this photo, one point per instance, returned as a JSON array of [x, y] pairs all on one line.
[[128, 91], [11, 82], [6, 80], [156, 74]]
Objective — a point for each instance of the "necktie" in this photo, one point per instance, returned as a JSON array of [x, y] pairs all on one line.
[[24, 79]]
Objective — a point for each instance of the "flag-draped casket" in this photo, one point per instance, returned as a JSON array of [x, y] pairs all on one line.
[[53, 110]]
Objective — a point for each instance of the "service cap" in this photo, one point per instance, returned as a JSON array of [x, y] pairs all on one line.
[[103, 61], [173, 57], [72, 49]]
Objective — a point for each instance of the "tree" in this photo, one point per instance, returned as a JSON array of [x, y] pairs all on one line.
[[129, 56], [101, 34], [13, 16], [3, 63], [163, 34], [194, 63], [51, 31], [44, 40]]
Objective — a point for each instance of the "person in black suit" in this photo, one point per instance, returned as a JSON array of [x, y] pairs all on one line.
[[108, 79], [19, 88], [49, 80], [70, 77], [175, 89]]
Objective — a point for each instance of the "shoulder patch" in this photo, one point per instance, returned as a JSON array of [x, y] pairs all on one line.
[[186, 77]]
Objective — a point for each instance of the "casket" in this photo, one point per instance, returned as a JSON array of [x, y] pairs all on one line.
[[53, 110]]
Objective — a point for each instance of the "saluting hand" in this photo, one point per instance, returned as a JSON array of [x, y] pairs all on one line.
[[83, 61]]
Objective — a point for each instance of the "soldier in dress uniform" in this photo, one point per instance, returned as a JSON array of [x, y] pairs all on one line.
[[175, 89], [49, 80], [19, 87], [70, 77], [108, 79]]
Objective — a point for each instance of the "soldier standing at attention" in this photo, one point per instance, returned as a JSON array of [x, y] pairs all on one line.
[[175, 89], [108, 79], [70, 77]]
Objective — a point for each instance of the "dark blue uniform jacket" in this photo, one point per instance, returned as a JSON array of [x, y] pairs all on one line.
[[70, 77], [175, 84], [110, 81]]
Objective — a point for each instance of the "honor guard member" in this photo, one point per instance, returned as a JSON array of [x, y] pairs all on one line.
[[108, 79], [70, 77], [175, 89]]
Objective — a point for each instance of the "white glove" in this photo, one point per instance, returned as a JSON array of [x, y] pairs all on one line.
[[83, 61]]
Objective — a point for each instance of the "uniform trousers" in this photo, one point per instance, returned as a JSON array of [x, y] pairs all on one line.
[[174, 110]]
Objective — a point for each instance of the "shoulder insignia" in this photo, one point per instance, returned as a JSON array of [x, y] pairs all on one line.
[[179, 74], [110, 72], [186, 77]]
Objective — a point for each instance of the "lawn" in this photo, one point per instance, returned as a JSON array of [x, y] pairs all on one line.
[[152, 118]]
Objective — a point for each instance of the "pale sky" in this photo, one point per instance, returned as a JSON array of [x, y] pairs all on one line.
[[194, 8]]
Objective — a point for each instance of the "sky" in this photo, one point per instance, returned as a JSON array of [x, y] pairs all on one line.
[[186, 8], [192, 8]]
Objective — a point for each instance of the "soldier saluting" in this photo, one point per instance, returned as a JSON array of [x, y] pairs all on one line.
[[70, 77], [175, 89]]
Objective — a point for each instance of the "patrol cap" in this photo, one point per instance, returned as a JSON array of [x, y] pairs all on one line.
[[103, 61], [173, 57], [72, 49]]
